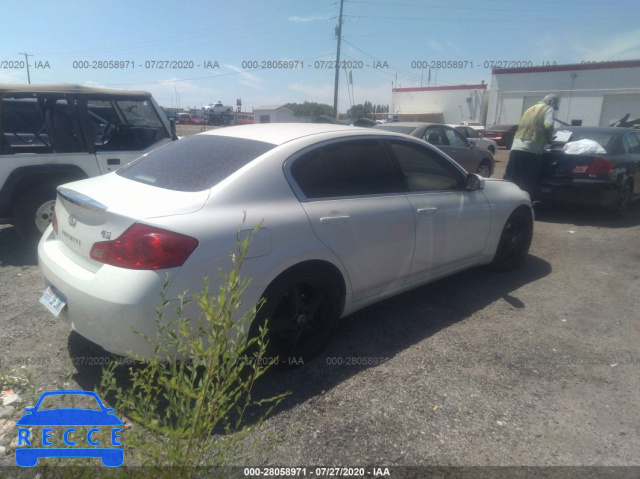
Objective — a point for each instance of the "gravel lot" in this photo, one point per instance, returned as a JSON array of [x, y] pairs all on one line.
[[537, 367]]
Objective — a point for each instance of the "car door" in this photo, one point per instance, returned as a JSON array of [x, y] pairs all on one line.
[[354, 197], [460, 150], [452, 224], [452, 144], [123, 129], [631, 146]]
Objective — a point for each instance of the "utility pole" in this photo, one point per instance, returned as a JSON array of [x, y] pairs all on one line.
[[335, 87], [26, 58]]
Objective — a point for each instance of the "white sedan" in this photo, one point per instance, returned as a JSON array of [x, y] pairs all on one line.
[[350, 216]]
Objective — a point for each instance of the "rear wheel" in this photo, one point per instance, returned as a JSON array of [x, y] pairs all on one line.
[[484, 169], [624, 198], [515, 241], [33, 211], [301, 309]]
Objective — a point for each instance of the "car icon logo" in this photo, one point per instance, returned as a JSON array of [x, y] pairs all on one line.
[[73, 221], [27, 453]]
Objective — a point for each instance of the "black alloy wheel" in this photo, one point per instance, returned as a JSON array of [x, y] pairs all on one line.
[[301, 310], [515, 241]]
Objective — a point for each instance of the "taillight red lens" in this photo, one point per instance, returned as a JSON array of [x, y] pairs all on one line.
[[598, 166], [54, 220], [145, 247]]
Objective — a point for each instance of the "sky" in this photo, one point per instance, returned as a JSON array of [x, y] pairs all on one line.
[[191, 53]]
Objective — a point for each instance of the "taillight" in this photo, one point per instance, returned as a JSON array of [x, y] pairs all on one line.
[[54, 220], [598, 166], [145, 247]]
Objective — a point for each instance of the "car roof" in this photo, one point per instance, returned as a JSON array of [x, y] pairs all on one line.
[[67, 88], [280, 133], [408, 123]]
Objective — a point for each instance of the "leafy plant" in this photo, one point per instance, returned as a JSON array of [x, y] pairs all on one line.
[[199, 381]]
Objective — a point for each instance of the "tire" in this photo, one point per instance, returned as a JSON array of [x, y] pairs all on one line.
[[484, 169], [624, 198], [302, 308], [515, 241], [33, 211]]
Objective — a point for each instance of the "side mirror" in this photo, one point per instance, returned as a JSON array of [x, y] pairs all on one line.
[[474, 182], [172, 128], [472, 144]]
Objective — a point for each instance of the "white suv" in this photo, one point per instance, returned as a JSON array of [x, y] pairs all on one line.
[[53, 134]]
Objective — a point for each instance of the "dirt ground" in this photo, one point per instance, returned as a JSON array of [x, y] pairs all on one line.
[[536, 367]]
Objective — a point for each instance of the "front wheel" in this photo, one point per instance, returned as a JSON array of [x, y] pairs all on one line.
[[515, 241], [301, 309]]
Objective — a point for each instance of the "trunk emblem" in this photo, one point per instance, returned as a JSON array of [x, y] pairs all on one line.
[[73, 221]]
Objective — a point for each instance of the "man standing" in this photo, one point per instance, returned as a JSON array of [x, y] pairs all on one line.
[[534, 132]]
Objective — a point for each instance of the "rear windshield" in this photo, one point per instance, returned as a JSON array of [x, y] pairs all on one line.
[[604, 138], [194, 164]]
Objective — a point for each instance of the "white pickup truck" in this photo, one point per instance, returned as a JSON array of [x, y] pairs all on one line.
[[218, 107]]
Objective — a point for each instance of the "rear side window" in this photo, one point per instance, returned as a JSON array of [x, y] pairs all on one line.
[[631, 143], [195, 163], [347, 168]]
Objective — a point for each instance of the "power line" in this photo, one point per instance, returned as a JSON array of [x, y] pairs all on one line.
[[26, 58]]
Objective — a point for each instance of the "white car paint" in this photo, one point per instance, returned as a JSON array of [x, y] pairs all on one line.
[[380, 244]]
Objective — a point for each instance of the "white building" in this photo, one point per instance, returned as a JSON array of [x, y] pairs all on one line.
[[594, 94], [273, 114], [441, 104]]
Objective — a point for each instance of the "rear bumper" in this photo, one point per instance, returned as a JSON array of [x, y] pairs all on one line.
[[107, 306], [582, 192]]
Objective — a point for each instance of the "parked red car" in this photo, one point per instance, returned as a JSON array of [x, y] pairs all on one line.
[[501, 134], [189, 119]]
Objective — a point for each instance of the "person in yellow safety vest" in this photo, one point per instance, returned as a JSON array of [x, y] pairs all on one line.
[[534, 132]]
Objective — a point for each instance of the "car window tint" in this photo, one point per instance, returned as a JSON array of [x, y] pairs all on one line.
[[455, 138], [425, 170], [195, 163], [471, 133], [347, 168], [434, 136], [631, 144]]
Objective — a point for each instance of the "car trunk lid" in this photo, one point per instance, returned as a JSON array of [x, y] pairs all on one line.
[[102, 209], [558, 164]]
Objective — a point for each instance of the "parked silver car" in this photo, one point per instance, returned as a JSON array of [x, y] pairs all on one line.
[[464, 152]]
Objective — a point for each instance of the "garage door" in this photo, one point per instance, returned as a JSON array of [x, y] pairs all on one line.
[[615, 107]]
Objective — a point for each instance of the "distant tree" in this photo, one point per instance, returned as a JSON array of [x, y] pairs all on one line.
[[310, 109]]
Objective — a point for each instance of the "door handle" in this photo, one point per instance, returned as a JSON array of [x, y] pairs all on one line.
[[113, 161], [427, 210], [337, 220]]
